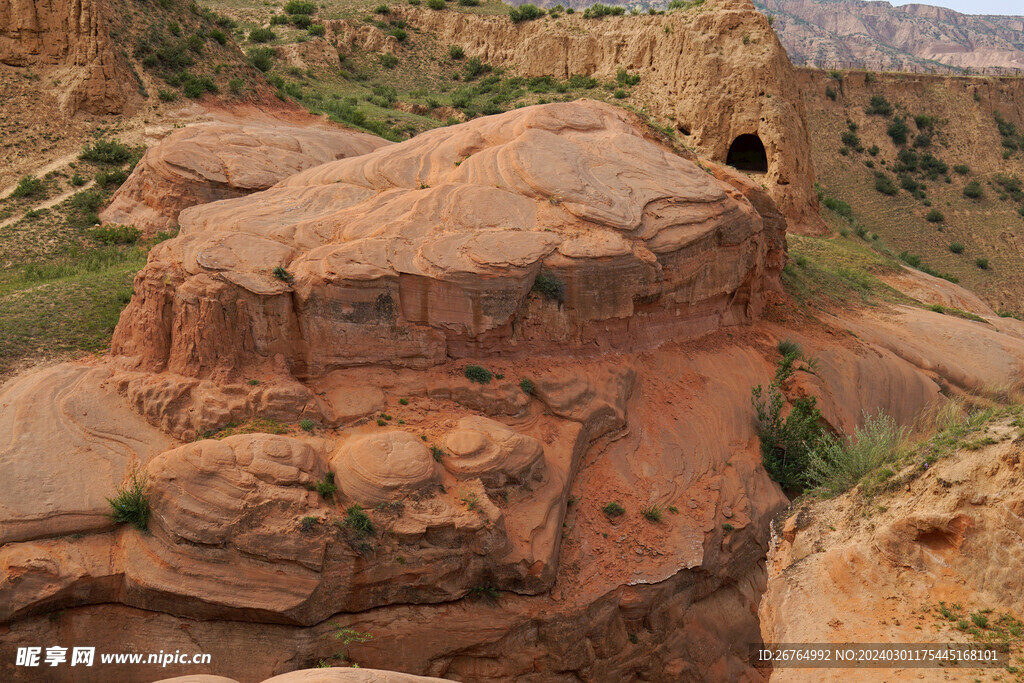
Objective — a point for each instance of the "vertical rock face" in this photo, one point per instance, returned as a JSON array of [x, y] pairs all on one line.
[[72, 35], [714, 72], [550, 227]]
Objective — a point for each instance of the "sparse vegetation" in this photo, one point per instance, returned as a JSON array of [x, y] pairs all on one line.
[[478, 374], [613, 509], [550, 286], [130, 505], [261, 35], [358, 521], [651, 513], [107, 152], [835, 465], [527, 386], [29, 186], [527, 12]]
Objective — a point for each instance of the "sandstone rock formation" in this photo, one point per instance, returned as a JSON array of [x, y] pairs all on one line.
[[712, 73], [851, 570], [430, 249], [210, 161], [74, 37], [317, 458]]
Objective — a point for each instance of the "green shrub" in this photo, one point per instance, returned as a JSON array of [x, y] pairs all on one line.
[[456, 52], [850, 139], [527, 386], [307, 426], [166, 95], [279, 19], [327, 487], [599, 10], [388, 60], [130, 505], [879, 106], [550, 287], [972, 190], [613, 509], [77, 180], [436, 4], [837, 205], [112, 178], [884, 184], [873, 150], [116, 234], [301, 21], [109, 152], [652, 513], [581, 82], [912, 260], [935, 216], [956, 247], [835, 465], [830, 93], [785, 442], [382, 9], [262, 58], [469, 3], [625, 79], [962, 169], [981, 263], [281, 274], [29, 186], [399, 34], [789, 349], [317, 30], [527, 12], [300, 7], [898, 130], [437, 452], [358, 521], [235, 85], [619, 94], [219, 36], [478, 374], [197, 85], [261, 35], [307, 523], [979, 619]]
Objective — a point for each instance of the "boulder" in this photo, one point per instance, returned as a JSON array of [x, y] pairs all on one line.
[[206, 162]]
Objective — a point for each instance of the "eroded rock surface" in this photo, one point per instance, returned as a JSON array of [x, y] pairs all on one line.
[[696, 76], [882, 570], [431, 248], [210, 161], [320, 456]]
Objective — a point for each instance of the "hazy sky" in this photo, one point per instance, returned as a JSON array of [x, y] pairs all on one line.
[[972, 6]]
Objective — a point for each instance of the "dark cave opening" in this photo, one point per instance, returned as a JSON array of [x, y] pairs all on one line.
[[747, 154]]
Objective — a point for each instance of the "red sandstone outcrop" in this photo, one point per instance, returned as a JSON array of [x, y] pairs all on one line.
[[713, 73], [490, 556], [210, 161], [436, 247]]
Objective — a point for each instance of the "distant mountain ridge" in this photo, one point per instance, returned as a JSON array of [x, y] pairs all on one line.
[[877, 35]]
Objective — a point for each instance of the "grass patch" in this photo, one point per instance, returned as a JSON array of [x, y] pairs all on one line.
[[130, 505]]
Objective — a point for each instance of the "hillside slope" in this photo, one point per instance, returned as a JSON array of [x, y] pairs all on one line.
[[911, 196], [876, 35]]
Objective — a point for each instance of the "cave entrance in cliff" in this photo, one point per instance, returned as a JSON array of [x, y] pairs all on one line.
[[747, 154]]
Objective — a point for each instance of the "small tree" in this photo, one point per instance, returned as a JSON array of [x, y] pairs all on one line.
[[348, 637]]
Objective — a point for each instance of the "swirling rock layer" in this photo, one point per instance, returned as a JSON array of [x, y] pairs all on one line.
[[209, 161], [432, 247]]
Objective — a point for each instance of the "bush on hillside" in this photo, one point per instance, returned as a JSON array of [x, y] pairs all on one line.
[[835, 465]]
